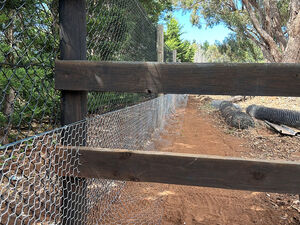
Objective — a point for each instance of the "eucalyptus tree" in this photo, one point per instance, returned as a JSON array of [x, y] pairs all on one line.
[[273, 25]]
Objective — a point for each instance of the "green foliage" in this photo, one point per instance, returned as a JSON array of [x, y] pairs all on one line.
[[234, 15], [212, 54], [28, 47], [205, 45], [214, 12], [232, 49], [29, 44], [238, 49], [113, 27], [155, 8], [122, 32], [3, 119], [109, 101], [185, 50]]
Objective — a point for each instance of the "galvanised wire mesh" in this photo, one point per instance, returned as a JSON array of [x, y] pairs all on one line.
[[28, 46], [36, 172], [123, 32], [118, 30]]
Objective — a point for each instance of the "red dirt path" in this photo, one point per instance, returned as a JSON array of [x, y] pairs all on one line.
[[194, 133]]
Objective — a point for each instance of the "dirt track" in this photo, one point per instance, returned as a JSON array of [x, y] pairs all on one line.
[[194, 132]]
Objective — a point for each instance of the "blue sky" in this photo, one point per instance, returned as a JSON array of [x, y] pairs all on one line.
[[200, 35]]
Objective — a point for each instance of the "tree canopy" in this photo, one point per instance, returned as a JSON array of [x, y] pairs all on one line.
[[237, 49], [232, 49], [173, 39], [273, 25], [155, 8]]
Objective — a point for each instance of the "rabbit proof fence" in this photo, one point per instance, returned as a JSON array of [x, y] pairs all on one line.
[[38, 174]]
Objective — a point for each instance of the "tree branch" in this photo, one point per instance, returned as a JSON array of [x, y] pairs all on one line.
[[262, 46], [273, 48], [277, 31], [294, 8], [292, 51]]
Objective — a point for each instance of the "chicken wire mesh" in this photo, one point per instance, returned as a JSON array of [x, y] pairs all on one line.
[[123, 33], [38, 174], [117, 30], [28, 46]]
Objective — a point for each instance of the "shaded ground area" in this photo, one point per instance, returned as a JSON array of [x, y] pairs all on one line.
[[195, 130]]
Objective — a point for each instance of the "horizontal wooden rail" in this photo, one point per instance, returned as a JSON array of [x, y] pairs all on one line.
[[190, 169], [179, 78]]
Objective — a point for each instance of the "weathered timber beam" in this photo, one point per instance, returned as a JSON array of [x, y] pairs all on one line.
[[190, 169], [180, 78]]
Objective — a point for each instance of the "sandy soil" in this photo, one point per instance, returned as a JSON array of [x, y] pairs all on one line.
[[192, 131]]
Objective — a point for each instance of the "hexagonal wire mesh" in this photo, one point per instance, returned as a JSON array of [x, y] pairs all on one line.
[[123, 32], [32, 186], [29, 44], [31, 170]]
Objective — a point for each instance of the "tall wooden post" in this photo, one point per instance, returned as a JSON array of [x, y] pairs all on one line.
[[175, 55], [160, 58], [160, 43], [72, 21]]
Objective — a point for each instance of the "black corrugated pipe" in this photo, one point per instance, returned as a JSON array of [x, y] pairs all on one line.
[[279, 116], [235, 117]]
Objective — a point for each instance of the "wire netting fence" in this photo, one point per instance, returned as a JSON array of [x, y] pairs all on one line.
[[122, 33], [117, 30], [31, 181], [39, 159], [28, 46]]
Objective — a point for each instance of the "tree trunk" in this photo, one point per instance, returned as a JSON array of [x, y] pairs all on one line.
[[8, 105], [292, 51]]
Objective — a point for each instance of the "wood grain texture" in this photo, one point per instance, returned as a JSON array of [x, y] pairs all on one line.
[[174, 55], [160, 43], [72, 23], [178, 78], [160, 48], [190, 169]]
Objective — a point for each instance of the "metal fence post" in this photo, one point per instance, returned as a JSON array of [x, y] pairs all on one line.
[[72, 21]]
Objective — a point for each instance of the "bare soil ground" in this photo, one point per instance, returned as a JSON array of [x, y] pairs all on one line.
[[199, 129]]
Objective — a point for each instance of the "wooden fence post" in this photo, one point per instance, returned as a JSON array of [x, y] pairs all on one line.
[[160, 43], [174, 55], [72, 21], [160, 58]]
